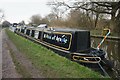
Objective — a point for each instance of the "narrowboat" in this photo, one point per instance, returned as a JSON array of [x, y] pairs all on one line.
[[73, 42], [13, 27]]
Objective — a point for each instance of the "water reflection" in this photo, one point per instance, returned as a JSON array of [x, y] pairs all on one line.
[[111, 47]]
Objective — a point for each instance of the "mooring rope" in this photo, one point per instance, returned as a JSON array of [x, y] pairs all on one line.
[[106, 74], [98, 49]]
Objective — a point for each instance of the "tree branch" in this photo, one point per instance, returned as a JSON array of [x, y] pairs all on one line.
[[103, 4], [90, 9], [87, 9]]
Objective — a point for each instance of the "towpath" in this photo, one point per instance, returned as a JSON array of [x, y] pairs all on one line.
[[8, 67], [0, 54]]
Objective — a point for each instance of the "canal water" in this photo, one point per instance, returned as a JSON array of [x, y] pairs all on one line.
[[113, 54]]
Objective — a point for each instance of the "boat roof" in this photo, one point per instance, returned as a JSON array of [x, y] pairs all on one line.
[[57, 29], [68, 29]]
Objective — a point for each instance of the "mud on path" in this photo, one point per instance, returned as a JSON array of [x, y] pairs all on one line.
[[8, 67]]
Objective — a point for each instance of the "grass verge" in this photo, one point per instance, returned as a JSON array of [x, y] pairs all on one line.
[[49, 63]]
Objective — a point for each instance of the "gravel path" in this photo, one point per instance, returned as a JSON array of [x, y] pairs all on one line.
[[26, 63], [8, 67], [0, 54]]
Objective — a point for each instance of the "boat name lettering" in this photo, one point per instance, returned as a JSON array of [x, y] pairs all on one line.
[[56, 37]]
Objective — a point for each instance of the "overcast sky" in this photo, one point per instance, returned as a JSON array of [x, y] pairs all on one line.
[[18, 10]]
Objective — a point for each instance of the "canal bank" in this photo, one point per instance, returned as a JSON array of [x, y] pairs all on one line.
[[111, 45]]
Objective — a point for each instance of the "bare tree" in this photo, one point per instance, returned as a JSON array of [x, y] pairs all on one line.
[[57, 10], [36, 20], [78, 19], [6, 24], [109, 8], [51, 17]]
